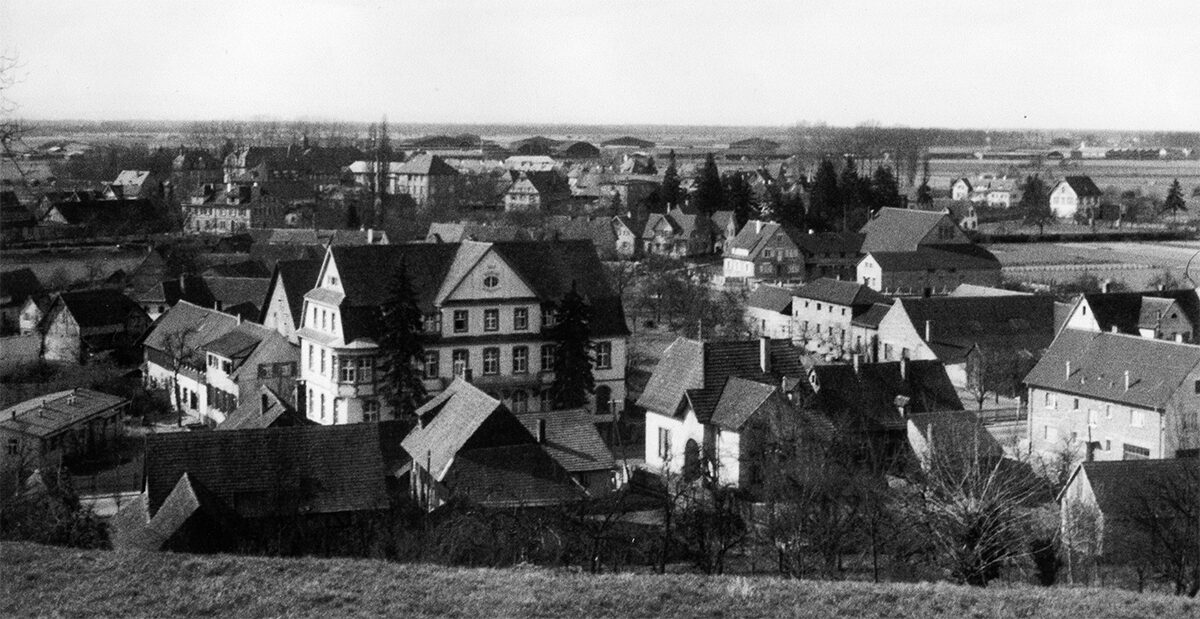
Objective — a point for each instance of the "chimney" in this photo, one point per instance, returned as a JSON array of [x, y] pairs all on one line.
[[541, 431], [1126, 380], [757, 226], [1068, 370], [1106, 286], [182, 284], [855, 357], [239, 318], [928, 329], [764, 354], [903, 368], [370, 236], [1162, 287], [468, 375], [1114, 328]]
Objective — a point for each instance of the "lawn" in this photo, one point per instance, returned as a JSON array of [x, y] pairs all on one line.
[[39, 580]]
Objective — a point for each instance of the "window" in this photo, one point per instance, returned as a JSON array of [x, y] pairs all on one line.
[[1075, 404], [226, 366], [348, 372], [547, 317], [333, 281], [1108, 411], [1137, 418], [431, 364], [603, 355], [14, 446], [322, 407], [520, 360], [370, 410], [322, 366], [264, 371], [212, 361], [461, 360], [1133, 452], [520, 401], [491, 361], [1196, 386], [664, 443], [491, 320], [460, 321], [520, 319], [366, 370], [310, 356], [432, 323], [548, 355], [490, 281], [1091, 417]]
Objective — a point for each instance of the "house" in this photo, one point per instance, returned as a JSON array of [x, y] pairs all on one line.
[[272, 490], [268, 410], [870, 404], [772, 251], [703, 395], [291, 280], [961, 189], [17, 287], [469, 445], [929, 270], [238, 363], [952, 329], [573, 440], [531, 163], [727, 229], [601, 231], [235, 208], [80, 324], [157, 299], [1074, 194], [533, 191], [769, 311], [1112, 396], [426, 178], [823, 311], [457, 232], [905, 230], [676, 234], [99, 217], [628, 234], [1160, 314], [192, 168], [173, 357], [134, 184], [49, 428], [16, 220], [488, 309], [1119, 512]]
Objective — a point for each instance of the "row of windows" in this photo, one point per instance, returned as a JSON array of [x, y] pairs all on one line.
[[461, 360], [327, 322], [1129, 452], [344, 370], [491, 320], [1137, 418], [216, 362]]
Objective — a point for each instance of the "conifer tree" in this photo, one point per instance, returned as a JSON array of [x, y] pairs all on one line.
[[1174, 202], [400, 347], [651, 167], [924, 193], [573, 379], [855, 194], [709, 192], [739, 198], [670, 183], [885, 192], [1035, 203], [825, 200]]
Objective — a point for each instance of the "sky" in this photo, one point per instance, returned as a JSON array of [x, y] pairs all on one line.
[[1088, 64]]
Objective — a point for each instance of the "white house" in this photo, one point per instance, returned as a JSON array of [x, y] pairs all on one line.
[[1074, 194]]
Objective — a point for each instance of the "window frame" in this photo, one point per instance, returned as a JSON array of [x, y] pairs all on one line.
[[491, 356], [491, 319], [461, 316]]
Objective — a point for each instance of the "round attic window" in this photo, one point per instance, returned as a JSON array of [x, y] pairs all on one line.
[[491, 281]]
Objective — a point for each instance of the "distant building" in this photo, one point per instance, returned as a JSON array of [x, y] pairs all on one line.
[[824, 309], [60, 425], [769, 311], [930, 270], [80, 324], [676, 234], [1172, 315], [765, 250], [533, 191], [1074, 194]]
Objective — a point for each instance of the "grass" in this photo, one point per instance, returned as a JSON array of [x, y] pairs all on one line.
[[40, 580]]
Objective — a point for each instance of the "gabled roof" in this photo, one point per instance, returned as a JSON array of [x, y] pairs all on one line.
[[839, 292], [231, 291], [899, 230], [281, 471], [430, 165], [958, 323], [101, 307], [739, 400], [18, 285], [236, 345], [571, 439], [869, 394], [1099, 361], [1083, 186], [1124, 311], [297, 277], [938, 257], [772, 298], [202, 325], [449, 421], [698, 370], [817, 243], [522, 475], [871, 318], [268, 410], [1126, 489]]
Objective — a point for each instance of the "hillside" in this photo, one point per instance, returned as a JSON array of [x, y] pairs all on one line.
[[39, 580]]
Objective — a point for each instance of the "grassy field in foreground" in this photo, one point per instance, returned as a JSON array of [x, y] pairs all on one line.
[[39, 580]]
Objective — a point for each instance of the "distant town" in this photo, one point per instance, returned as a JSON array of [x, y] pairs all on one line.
[[856, 353]]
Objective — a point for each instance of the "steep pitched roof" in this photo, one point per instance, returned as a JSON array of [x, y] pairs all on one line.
[[1124, 310], [825, 243], [571, 439], [100, 307], [958, 323], [203, 325], [265, 411], [957, 256], [297, 278], [511, 475], [872, 316], [840, 292], [772, 298], [739, 400], [1083, 186], [1126, 489], [430, 165], [869, 394], [899, 230], [236, 345], [448, 422], [1099, 361], [281, 471]]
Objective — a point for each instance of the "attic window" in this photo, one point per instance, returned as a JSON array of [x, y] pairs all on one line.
[[491, 281]]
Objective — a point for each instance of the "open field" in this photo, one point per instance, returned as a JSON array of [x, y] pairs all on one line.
[[1135, 264], [40, 580]]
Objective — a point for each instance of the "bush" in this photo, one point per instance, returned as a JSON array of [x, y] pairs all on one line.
[[45, 509]]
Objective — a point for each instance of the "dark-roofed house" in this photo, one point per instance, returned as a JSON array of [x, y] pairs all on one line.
[[1130, 512], [677, 234], [86, 322], [469, 445], [704, 398], [269, 410], [1111, 396], [488, 308], [952, 329], [241, 361], [457, 232], [823, 311], [16, 288], [904, 230], [310, 489], [174, 359], [285, 295], [1159, 314], [764, 250], [769, 311], [929, 269], [572, 439], [59, 425], [534, 191], [1074, 194], [871, 403]]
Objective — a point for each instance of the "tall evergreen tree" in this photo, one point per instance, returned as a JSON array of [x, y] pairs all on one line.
[[825, 198], [1174, 202], [1035, 203], [400, 347], [856, 196], [352, 220], [885, 191], [651, 167], [924, 193], [572, 333], [790, 211], [670, 183], [739, 198], [708, 188]]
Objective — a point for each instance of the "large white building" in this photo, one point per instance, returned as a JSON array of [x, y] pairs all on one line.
[[487, 307]]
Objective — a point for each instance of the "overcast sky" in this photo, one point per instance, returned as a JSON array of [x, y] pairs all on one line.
[[1098, 64]]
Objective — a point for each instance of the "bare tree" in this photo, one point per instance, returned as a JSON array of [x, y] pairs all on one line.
[[181, 352]]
